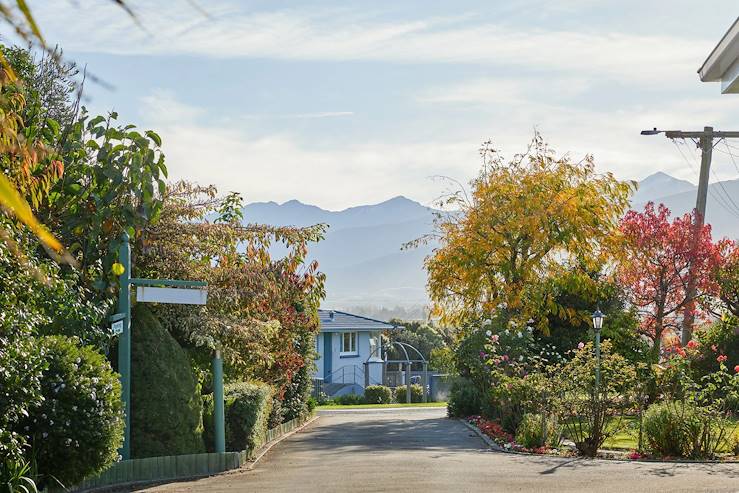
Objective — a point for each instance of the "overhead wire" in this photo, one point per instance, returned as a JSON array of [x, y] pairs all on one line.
[[720, 200]]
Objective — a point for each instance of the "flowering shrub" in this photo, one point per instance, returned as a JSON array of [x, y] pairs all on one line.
[[590, 414], [78, 428]]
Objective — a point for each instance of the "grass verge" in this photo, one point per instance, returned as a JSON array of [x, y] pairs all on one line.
[[381, 406]]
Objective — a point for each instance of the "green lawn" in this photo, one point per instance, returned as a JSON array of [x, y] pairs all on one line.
[[381, 406]]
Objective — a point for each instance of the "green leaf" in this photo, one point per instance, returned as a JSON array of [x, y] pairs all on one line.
[[155, 137]]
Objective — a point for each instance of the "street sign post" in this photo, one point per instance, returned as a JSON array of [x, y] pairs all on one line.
[[154, 291]]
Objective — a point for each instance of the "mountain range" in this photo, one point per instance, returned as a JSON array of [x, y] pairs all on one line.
[[367, 269]]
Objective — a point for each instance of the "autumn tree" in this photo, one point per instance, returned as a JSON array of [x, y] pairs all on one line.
[[727, 277], [522, 222], [655, 264], [262, 310]]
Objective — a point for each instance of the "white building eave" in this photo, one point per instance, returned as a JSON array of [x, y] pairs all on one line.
[[722, 65]]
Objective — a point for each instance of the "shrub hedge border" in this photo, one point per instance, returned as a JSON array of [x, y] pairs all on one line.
[[494, 446], [171, 467]]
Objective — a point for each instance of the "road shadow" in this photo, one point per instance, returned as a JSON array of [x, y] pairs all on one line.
[[381, 434]]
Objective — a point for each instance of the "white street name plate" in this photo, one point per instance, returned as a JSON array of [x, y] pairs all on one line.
[[182, 296]]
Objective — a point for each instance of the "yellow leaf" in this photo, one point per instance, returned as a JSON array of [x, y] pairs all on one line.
[[11, 200]]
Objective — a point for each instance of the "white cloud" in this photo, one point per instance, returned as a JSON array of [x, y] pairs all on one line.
[[283, 166], [315, 34]]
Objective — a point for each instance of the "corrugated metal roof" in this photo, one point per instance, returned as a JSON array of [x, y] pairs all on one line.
[[342, 322]]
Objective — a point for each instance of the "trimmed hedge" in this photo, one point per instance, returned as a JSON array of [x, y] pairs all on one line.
[[247, 407], [77, 430], [416, 393], [166, 404], [378, 394]]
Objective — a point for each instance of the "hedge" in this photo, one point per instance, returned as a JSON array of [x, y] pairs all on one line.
[[247, 408], [166, 404]]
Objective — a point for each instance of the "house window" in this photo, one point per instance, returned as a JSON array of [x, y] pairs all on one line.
[[349, 343], [373, 347]]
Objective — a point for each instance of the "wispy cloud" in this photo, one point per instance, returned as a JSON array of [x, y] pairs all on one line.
[[333, 34], [284, 166]]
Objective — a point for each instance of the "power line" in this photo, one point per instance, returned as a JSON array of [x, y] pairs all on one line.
[[720, 200]]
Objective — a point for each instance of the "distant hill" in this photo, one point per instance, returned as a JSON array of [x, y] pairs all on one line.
[[679, 196], [361, 254], [365, 266]]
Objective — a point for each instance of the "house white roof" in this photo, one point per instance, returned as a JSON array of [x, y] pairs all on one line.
[[723, 62], [345, 322]]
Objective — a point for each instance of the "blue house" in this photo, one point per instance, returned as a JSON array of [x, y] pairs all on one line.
[[350, 355]]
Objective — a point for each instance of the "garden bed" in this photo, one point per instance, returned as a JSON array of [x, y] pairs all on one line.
[[499, 440]]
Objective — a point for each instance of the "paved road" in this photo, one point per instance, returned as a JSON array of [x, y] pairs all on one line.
[[422, 451]]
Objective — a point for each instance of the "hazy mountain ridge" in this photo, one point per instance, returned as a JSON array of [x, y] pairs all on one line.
[[365, 266]]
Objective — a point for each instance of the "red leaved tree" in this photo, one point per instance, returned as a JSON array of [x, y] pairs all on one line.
[[655, 265]]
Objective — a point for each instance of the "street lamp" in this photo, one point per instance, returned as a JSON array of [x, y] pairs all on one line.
[[597, 325]]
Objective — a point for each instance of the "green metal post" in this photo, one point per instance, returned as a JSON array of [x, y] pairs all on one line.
[[218, 415], [597, 363], [124, 342]]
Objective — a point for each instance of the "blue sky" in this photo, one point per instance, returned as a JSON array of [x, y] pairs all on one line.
[[344, 103]]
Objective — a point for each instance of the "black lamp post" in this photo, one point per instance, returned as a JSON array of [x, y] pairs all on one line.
[[597, 325]]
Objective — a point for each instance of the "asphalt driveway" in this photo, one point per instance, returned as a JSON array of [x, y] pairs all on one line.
[[420, 450]]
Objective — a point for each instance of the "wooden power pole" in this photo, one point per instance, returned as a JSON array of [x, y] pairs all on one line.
[[705, 140]]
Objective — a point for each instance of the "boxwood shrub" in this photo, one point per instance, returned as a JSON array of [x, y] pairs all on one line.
[[77, 430], [378, 394]]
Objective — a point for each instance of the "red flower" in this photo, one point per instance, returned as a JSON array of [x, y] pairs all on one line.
[[736, 369], [693, 344], [721, 358]]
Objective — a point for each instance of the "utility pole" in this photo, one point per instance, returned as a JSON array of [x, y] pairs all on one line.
[[705, 140]]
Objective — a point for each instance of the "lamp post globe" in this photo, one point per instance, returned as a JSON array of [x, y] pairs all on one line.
[[598, 320]]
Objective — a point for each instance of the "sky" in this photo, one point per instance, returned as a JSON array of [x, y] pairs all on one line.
[[341, 103]]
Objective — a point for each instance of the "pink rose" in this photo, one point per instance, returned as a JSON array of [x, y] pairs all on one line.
[[580, 345]]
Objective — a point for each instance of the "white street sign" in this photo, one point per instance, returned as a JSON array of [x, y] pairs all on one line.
[[182, 296], [117, 327]]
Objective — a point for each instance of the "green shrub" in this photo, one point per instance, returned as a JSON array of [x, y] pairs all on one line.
[[465, 399], [671, 429], [378, 394], [247, 409], [349, 399], [401, 396], [531, 432], [679, 429], [165, 395], [77, 430]]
